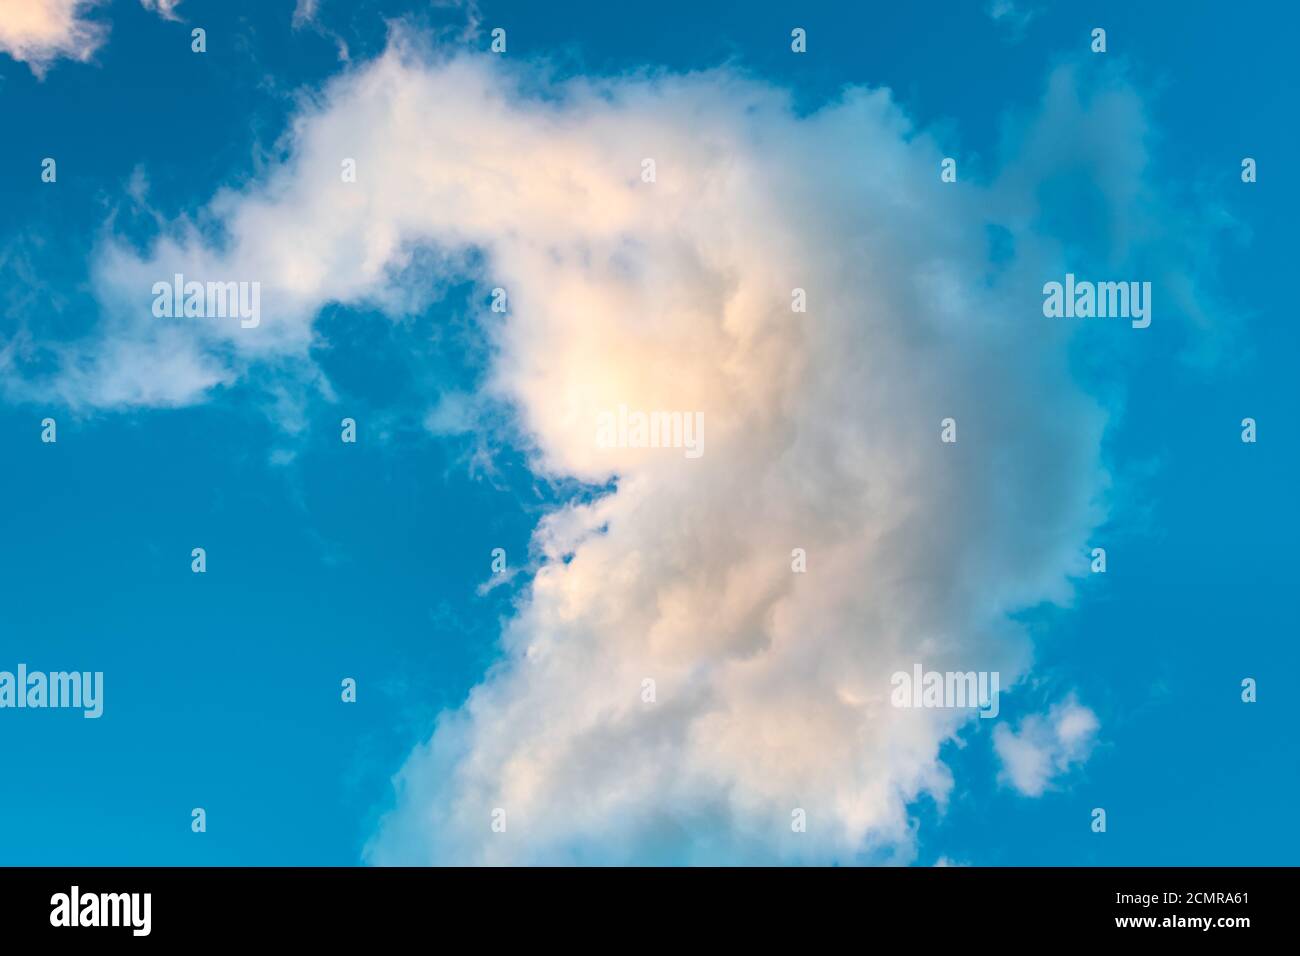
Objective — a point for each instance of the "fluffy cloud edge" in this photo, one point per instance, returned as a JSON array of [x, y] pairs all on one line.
[[38, 32]]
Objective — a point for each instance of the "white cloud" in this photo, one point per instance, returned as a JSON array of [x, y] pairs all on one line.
[[164, 8], [38, 32], [823, 433], [1045, 746]]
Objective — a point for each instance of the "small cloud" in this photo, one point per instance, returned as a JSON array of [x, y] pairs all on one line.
[[1013, 14], [164, 8], [1045, 746]]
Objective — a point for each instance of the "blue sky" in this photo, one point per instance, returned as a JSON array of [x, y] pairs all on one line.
[[328, 560]]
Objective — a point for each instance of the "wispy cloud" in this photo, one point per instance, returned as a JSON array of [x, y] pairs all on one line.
[[1015, 15], [304, 12]]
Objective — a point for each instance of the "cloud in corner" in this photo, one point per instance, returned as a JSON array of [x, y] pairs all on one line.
[[38, 32]]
